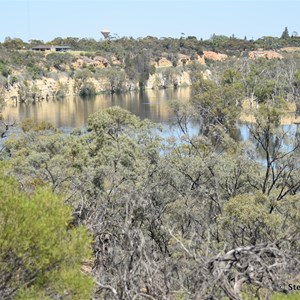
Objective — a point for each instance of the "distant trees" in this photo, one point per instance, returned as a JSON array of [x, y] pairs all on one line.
[[139, 68], [285, 33], [116, 79], [83, 84], [14, 43], [134, 56], [4, 126]]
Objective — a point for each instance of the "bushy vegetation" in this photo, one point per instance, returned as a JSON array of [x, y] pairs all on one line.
[[41, 253], [134, 58], [203, 216]]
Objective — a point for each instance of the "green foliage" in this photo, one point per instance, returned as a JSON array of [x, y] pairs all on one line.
[[5, 71], [35, 71], [59, 60], [169, 76], [139, 68], [116, 78], [113, 121], [41, 254], [267, 117], [30, 124], [14, 43], [170, 210], [297, 91], [285, 33], [83, 85], [218, 104], [61, 90], [87, 89], [277, 296], [248, 219], [24, 92]]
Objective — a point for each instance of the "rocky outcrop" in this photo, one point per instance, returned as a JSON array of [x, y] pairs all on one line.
[[290, 49], [163, 63], [83, 61], [64, 83], [214, 56], [100, 62], [46, 88], [165, 80], [183, 59], [264, 54], [201, 60]]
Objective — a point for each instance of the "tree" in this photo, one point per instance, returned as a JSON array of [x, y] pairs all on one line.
[[138, 68], [280, 176], [218, 104], [285, 33], [4, 127], [187, 217], [115, 79], [83, 84], [41, 253], [15, 43]]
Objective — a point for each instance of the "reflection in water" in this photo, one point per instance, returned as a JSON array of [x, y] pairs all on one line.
[[74, 111]]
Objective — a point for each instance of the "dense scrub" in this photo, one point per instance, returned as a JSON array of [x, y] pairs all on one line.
[[202, 219], [202, 216], [41, 253]]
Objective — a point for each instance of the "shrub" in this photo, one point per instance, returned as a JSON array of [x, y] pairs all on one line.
[[41, 254], [87, 90]]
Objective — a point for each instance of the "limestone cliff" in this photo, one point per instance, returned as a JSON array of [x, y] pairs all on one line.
[[46, 88]]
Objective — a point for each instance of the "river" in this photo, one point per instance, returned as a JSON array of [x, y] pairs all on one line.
[[73, 112]]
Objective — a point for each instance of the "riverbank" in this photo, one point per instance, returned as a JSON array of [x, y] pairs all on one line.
[[64, 86]]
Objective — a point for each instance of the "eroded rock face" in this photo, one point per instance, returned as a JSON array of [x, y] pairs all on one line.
[[115, 61], [158, 80], [211, 55], [163, 63], [100, 62], [264, 54], [97, 62], [291, 49], [201, 60]]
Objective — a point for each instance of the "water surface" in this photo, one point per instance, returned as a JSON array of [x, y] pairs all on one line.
[[73, 112]]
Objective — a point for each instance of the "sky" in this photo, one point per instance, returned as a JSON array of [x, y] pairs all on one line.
[[46, 19]]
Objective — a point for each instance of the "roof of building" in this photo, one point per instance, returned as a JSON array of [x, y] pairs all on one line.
[[42, 47], [50, 47]]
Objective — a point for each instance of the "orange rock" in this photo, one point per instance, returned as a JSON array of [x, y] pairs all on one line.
[[214, 56], [266, 54], [163, 62]]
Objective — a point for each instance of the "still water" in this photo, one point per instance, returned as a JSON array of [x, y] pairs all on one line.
[[73, 112]]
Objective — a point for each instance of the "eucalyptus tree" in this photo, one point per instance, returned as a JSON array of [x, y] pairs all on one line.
[[41, 253], [190, 217], [238, 206], [4, 126], [259, 223], [218, 103]]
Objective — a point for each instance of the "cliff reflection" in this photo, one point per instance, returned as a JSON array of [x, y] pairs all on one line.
[[74, 111]]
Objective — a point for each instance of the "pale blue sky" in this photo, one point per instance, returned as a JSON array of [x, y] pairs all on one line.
[[45, 20]]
